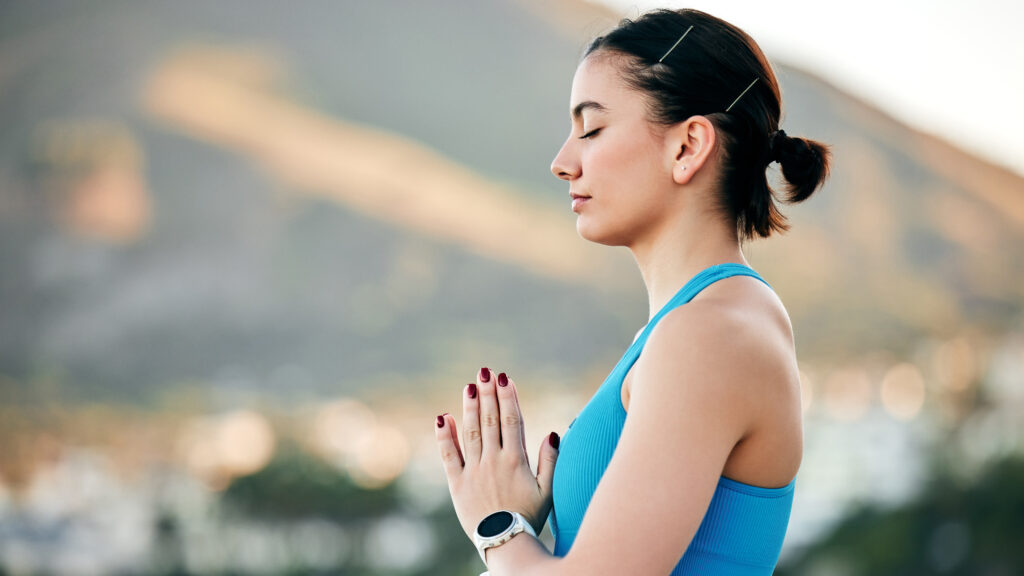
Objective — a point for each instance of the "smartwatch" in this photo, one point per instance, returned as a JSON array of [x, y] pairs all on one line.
[[499, 528]]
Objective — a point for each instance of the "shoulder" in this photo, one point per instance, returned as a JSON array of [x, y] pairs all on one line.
[[736, 315], [733, 343]]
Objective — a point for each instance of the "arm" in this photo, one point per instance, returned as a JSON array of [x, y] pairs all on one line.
[[691, 402]]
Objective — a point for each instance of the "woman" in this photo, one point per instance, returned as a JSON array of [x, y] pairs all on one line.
[[685, 459]]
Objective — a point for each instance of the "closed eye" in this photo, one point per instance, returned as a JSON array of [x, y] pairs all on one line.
[[590, 134]]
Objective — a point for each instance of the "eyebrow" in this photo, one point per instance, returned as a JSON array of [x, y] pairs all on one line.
[[577, 112]]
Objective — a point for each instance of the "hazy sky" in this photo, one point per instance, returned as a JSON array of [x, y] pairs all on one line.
[[953, 69]]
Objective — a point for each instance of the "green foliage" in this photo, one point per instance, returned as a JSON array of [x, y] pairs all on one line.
[[949, 530], [297, 484]]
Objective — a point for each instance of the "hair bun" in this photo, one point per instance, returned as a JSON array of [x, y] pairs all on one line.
[[804, 163], [775, 142]]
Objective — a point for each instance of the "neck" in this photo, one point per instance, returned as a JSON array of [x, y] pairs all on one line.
[[674, 254]]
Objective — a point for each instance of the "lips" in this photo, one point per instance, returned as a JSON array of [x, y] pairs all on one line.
[[578, 200]]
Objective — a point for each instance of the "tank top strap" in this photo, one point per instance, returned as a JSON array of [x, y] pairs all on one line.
[[689, 291]]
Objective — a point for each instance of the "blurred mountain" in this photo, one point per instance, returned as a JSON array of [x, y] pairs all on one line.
[[329, 197]]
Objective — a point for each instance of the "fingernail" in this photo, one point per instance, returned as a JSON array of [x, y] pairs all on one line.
[[502, 379], [485, 374], [440, 422], [554, 440], [472, 390]]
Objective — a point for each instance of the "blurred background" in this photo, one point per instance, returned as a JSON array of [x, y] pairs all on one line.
[[249, 251]]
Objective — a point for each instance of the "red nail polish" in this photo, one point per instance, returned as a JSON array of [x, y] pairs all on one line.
[[502, 380], [440, 422], [554, 440], [472, 390], [485, 374]]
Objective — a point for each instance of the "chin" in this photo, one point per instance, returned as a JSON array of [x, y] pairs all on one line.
[[593, 232]]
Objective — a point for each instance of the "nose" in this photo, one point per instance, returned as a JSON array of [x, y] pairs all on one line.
[[565, 166]]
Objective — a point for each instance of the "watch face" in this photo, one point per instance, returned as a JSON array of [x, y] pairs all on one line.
[[495, 524]]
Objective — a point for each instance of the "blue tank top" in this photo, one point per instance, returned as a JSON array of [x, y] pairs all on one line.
[[743, 529]]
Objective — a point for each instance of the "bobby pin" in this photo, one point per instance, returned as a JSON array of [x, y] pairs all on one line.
[[676, 44], [741, 95]]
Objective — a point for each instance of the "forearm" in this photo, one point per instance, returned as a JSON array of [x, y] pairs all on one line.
[[523, 555]]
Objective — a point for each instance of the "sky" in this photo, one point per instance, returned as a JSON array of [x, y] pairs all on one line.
[[952, 69]]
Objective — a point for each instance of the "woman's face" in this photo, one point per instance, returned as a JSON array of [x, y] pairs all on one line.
[[618, 165]]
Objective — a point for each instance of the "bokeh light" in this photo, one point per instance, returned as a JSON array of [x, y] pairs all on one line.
[[339, 426], [219, 448], [380, 457], [349, 434], [955, 364], [903, 391], [846, 394]]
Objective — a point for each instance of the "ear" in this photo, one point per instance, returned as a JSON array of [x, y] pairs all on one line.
[[691, 143]]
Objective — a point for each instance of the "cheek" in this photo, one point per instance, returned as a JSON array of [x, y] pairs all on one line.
[[625, 159], [611, 166]]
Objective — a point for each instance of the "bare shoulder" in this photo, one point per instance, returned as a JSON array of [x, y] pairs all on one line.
[[738, 320], [735, 339], [745, 303]]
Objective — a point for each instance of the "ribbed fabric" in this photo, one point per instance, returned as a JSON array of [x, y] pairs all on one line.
[[741, 533]]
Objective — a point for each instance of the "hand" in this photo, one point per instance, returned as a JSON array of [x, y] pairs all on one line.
[[490, 470]]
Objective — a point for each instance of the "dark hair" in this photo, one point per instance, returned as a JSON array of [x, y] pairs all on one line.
[[703, 75]]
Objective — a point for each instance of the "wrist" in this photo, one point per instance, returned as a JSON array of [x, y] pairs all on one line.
[[499, 528], [522, 556]]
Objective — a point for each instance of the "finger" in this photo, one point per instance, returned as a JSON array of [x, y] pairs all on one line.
[[490, 433], [451, 457], [511, 418], [546, 464], [471, 424], [450, 423], [522, 426]]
